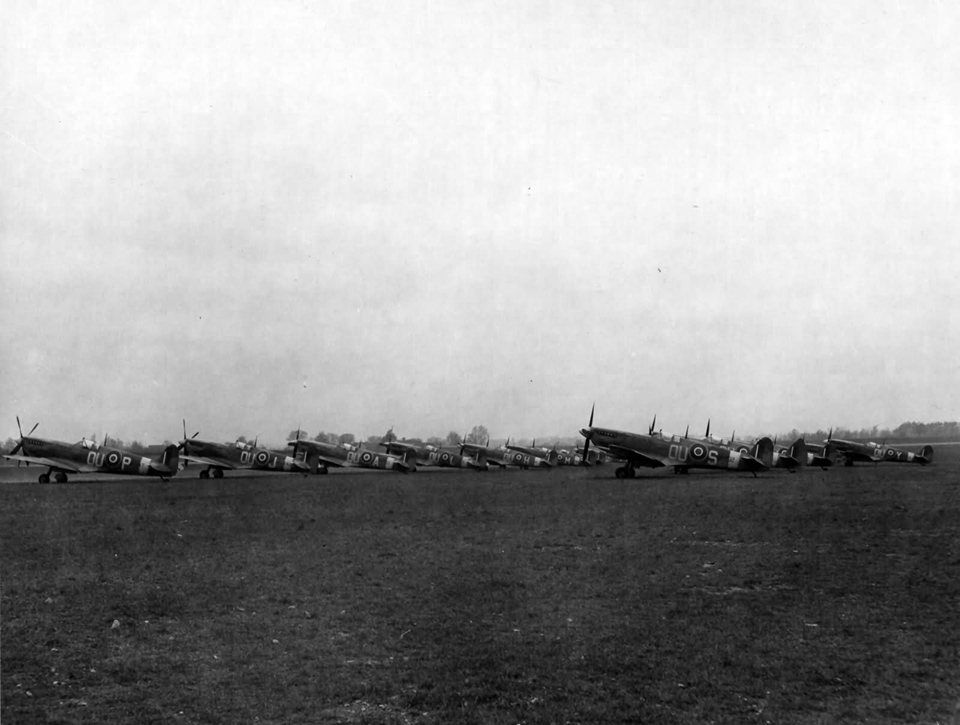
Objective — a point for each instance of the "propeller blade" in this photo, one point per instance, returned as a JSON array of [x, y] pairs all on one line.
[[592, 408], [707, 434], [687, 432], [586, 443], [14, 451], [653, 424], [18, 427], [34, 428]]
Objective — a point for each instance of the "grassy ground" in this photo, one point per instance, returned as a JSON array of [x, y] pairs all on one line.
[[559, 596]]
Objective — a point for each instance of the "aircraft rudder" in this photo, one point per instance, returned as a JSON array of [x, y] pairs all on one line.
[[926, 453], [799, 452], [171, 457], [763, 451]]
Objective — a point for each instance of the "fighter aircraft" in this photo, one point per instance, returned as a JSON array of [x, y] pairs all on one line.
[[220, 457], [655, 450], [319, 457], [853, 451], [532, 456], [87, 456], [432, 455]]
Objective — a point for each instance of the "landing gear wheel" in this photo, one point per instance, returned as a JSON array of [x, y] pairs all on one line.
[[61, 478], [218, 473], [323, 471], [620, 473], [44, 478], [204, 474]]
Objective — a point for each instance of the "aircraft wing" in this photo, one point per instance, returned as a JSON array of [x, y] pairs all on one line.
[[859, 457], [55, 464], [335, 462], [215, 462], [634, 456]]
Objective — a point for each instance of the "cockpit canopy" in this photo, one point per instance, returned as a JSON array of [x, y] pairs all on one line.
[[89, 445]]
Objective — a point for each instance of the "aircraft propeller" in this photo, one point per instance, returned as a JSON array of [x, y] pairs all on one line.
[[20, 442], [653, 423], [707, 434], [586, 444], [183, 443]]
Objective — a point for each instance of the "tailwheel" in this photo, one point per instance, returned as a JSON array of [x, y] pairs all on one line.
[[44, 478], [61, 478], [217, 473], [205, 473]]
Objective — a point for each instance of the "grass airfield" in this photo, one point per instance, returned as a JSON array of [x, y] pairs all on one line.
[[501, 597]]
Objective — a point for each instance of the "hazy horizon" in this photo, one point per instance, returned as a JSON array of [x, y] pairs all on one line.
[[353, 216]]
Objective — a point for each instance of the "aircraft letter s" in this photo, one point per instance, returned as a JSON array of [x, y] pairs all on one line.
[[712, 457]]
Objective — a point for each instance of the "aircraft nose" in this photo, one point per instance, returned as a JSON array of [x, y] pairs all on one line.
[[586, 432]]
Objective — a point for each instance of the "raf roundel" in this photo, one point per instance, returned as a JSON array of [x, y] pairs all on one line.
[[262, 457], [445, 457], [113, 458], [891, 453], [366, 458], [698, 452]]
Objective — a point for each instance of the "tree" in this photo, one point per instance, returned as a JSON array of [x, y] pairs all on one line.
[[479, 435], [346, 438], [453, 438], [435, 441], [292, 435]]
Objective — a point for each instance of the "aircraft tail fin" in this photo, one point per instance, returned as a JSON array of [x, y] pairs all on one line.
[[170, 458], [763, 451], [926, 455], [409, 461], [798, 452], [826, 457]]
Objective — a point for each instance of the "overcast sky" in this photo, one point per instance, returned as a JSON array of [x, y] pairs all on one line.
[[434, 215]]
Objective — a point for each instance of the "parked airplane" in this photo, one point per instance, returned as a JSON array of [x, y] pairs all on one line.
[[88, 457], [504, 456], [428, 455], [656, 450], [533, 456], [854, 451], [319, 457], [220, 457]]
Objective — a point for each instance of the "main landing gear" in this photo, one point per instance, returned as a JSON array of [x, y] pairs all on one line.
[[211, 471], [59, 477], [625, 472]]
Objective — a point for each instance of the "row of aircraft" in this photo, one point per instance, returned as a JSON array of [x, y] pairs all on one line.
[[635, 450], [658, 450]]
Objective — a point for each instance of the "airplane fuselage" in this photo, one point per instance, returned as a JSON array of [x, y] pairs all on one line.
[[90, 458], [666, 450], [240, 456]]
